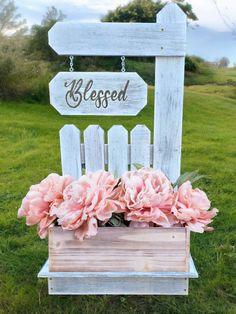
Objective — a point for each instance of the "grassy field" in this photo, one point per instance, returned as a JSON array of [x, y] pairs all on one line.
[[30, 151], [207, 74]]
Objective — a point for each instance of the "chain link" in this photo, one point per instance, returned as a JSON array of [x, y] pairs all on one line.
[[71, 69], [123, 64]]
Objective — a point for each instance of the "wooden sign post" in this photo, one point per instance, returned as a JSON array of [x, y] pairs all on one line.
[[79, 93], [98, 93]]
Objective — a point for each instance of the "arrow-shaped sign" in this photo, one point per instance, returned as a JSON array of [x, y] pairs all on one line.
[[98, 93]]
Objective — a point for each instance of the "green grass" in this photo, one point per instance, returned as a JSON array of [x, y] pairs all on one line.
[[225, 91], [211, 75], [30, 150]]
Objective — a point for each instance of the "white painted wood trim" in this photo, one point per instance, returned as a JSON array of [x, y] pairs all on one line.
[[118, 286], [106, 154], [94, 148], [113, 283], [192, 273], [70, 151], [140, 146], [118, 39], [169, 89], [117, 150]]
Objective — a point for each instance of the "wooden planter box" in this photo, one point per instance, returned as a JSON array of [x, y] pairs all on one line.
[[120, 250]]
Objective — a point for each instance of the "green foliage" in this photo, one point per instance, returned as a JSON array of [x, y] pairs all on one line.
[[6, 69], [52, 16], [10, 20], [38, 41], [30, 150], [138, 166], [223, 62], [144, 11], [191, 65], [21, 76], [192, 176]]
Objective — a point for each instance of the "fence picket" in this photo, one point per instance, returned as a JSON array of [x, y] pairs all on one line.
[[140, 146], [70, 151], [117, 150], [94, 148]]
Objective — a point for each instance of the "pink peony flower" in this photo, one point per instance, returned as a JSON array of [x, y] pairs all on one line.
[[41, 199], [191, 208], [85, 202], [148, 196]]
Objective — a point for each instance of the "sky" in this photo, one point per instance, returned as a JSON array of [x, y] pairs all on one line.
[[211, 37]]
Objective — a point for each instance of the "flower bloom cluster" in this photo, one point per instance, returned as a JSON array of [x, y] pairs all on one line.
[[145, 197]]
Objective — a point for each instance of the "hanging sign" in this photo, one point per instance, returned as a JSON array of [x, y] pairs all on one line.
[[98, 93]]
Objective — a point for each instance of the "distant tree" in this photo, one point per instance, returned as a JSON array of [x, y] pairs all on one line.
[[144, 11], [38, 42], [52, 16], [223, 62], [10, 20], [191, 65]]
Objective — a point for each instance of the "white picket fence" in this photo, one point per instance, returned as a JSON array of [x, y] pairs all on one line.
[[117, 155]]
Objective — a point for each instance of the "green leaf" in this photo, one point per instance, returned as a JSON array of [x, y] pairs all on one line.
[[188, 176], [116, 222], [137, 166]]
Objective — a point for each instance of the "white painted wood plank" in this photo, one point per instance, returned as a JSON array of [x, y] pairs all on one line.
[[140, 146], [98, 93], [192, 273], [70, 151], [117, 150], [169, 88], [118, 39], [94, 148], [106, 154], [118, 286]]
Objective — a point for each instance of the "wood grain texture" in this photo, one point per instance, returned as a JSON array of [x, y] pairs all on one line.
[[70, 151], [169, 88], [191, 273], [106, 154], [118, 39], [79, 283], [118, 286], [140, 146], [73, 155], [117, 150], [94, 148], [67, 96], [120, 249]]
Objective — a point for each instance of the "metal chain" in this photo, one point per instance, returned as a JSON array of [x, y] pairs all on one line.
[[123, 64], [71, 69]]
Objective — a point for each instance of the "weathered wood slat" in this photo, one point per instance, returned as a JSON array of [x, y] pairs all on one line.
[[145, 152], [169, 84], [117, 150], [106, 154], [118, 39], [130, 249], [94, 148], [101, 282], [98, 93], [70, 151], [192, 273], [140, 146]]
